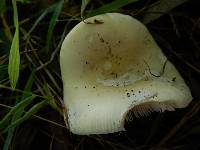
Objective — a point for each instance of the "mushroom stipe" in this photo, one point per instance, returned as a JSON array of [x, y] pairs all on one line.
[[111, 65]]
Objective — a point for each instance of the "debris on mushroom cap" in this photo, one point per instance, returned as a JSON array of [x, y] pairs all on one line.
[[112, 67]]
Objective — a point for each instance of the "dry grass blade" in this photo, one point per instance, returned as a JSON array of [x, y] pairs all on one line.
[[112, 6], [160, 8], [38, 117], [195, 109]]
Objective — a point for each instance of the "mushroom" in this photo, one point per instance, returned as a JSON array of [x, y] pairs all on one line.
[[110, 65]]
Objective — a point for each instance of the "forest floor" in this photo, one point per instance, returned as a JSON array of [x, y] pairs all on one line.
[[31, 86]]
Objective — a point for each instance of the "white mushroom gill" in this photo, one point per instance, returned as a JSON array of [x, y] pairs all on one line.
[[113, 67]]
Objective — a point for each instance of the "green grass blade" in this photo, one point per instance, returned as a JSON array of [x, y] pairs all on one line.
[[37, 22], [18, 113], [11, 131], [24, 1], [113, 6], [8, 139], [27, 115], [14, 60], [52, 24], [83, 6], [49, 97], [19, 107], [10, 134], [44, 13], [28, 86], [2, 6], [14, 57]]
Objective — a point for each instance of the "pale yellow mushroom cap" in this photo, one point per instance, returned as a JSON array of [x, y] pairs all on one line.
[[114, 65]]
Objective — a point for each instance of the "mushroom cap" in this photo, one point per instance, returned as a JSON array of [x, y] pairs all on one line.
[[110, 64]]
